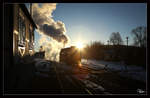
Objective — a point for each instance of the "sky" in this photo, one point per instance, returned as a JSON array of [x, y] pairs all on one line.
[[88, 22]]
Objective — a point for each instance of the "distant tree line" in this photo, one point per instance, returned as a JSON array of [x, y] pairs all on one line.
[[139, 36], [116, 51], [93, 50], [116, 39]]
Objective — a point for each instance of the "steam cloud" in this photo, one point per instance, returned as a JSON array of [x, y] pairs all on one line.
[[53, 36], [43, 18], [56, 33]]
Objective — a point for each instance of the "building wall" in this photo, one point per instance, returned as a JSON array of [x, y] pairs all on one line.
[[16, 31]]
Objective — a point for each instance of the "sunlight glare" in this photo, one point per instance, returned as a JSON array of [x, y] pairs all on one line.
[[79, 45]]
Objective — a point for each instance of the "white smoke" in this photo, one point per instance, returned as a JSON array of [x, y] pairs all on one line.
[[53, 36], [51, 47]]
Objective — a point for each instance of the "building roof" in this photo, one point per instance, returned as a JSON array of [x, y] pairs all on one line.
[[25, 10]]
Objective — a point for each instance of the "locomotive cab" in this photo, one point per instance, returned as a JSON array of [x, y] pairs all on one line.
[[70, 55]]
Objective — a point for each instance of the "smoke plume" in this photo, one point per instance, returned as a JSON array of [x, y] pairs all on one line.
[[53, 36]]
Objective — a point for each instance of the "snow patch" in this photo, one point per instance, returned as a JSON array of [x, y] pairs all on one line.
[[93, 85], [134, 72], [42, 65]]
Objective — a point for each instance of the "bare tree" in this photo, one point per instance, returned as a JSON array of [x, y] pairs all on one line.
[[116, 39], [139, 36]]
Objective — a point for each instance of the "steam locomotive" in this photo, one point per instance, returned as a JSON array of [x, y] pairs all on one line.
[[70, 56]]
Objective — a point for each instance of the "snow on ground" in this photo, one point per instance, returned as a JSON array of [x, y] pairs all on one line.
[[93, 85], [134, 72], [42, 65]]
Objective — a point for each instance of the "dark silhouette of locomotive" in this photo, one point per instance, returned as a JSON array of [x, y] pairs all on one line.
[[70, 55]]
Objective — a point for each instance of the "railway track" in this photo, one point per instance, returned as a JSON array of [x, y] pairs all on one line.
[[65, 81], [70, 84]]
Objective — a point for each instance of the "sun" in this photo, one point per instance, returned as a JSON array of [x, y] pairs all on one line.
[[79, 45]]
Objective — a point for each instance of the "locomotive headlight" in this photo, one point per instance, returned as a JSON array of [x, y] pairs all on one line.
[[79, 64]]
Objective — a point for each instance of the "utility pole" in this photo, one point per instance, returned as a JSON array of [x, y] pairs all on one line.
[[108, 42], [127, 40]]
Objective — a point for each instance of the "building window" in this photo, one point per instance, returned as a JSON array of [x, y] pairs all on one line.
[[21, 28], [31, 37], [30, 33]]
